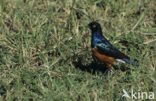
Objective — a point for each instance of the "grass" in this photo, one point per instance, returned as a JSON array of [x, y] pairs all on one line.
[[45, 49]]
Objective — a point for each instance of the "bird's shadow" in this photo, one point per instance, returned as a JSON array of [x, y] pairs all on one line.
[[91, 68], [94, 67]]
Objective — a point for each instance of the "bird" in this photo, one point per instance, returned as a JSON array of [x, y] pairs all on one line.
[[103, 50]]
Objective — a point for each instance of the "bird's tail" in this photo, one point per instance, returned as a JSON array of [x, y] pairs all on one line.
[[130, 62]]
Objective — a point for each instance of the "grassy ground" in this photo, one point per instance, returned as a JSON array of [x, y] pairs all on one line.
[[45, 49]]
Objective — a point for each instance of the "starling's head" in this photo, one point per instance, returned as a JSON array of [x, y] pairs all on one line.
[[94, 26]]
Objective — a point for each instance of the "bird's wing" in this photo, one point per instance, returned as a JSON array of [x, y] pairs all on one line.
[[107, 49]]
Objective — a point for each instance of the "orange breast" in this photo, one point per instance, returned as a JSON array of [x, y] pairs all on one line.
[[103, 58]]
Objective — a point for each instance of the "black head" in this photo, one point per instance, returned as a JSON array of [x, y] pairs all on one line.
[[94, 26]]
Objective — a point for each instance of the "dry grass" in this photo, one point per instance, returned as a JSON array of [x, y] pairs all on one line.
[[45, 49]]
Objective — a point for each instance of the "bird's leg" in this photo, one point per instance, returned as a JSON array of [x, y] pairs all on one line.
[[108, 68], [104, 74]]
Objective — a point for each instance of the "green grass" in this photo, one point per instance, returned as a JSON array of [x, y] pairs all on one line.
[[45, 49]]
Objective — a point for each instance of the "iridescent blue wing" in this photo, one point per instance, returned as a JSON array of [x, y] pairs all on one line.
[[107, 49]]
